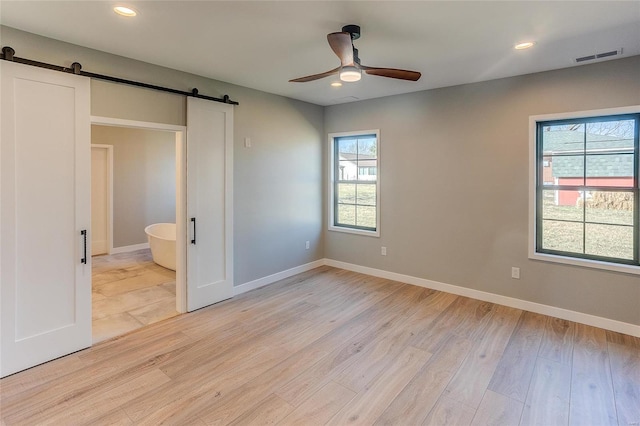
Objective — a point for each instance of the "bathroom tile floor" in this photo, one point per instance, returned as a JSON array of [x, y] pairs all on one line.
[[130, 291]]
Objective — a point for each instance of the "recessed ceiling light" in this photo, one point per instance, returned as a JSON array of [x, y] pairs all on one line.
[[524, 45], [336, 84], [125, 11]]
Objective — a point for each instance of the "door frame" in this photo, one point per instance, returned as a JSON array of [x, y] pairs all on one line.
[[181, 194], [109, 202]]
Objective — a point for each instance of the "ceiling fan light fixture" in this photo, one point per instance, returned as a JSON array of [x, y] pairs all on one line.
[[350, 74]]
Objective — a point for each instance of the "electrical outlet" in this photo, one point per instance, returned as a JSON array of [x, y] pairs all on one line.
[[247, 142], [306, 245], [383, 251], [515, 273]]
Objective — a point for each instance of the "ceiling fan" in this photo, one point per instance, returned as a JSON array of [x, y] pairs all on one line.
[[350, 68]]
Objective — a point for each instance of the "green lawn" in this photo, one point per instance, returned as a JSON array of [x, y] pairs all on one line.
[[607, 237], [356, 204]]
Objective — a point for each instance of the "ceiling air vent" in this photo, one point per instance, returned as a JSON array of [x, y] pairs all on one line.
[[601, 55]]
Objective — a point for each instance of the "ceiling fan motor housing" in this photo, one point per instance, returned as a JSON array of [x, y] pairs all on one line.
[[350, 68], [354, 30]]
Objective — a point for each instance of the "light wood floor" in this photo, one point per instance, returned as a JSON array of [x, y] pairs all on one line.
[[335, 347], [129, 291]]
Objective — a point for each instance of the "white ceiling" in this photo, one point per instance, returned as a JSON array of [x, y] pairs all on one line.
[[263, 44]]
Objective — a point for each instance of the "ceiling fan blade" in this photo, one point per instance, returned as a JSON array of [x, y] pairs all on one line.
[[341, 44], [315, 76], [392, 73]]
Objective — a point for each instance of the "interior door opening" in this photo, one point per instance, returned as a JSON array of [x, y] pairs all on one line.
[[137, 241]]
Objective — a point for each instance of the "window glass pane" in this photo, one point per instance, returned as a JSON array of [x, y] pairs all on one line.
[[547, 171], [562, 236], [563, 139], [562, 205], [614, 208], [367, 147], [591, 155], [567, 169], [367, 170], [366, 194], [610, 170], [346, 193], [609, 241], [348, 146], [356, 161], [366, 216], [610, 136], [346, 215], [347, 170]]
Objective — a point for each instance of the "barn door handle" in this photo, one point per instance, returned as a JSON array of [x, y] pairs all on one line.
[[193, 221], [84, 256]]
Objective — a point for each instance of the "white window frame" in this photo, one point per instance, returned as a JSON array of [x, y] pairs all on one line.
[[533, 254], [332, 178]]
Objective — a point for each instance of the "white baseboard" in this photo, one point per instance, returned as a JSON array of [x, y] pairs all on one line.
[[261, 282], [592, 320], [126, 249]]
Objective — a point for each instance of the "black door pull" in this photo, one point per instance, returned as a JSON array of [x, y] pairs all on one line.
[[193, 221], [84, 256]]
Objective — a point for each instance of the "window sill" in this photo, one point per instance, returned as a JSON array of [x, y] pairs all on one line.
[[587, 263], [375, 234]]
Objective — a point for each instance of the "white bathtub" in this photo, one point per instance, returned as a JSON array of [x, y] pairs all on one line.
[[162, 241]]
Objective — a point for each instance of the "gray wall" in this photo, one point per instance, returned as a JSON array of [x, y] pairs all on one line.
[[454, 186], [277, 183], [144, 180]]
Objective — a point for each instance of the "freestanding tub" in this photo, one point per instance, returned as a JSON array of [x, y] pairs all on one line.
[[162, 241]]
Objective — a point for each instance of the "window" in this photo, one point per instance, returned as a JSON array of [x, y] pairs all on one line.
[[586, 189], [354, 160]]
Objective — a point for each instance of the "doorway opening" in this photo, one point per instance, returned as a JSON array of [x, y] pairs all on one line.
[[137, 238]]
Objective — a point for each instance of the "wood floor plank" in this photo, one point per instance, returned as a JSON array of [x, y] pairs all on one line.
[[321, 406], [623, 339], [557, 340], [449, 412], [461, 317], [39, 376], [548, 398], [592, 398], [513, 373], [97, 406], [417, 399], [336, 346], [338, 340], [367, 406], [497, 409], [390, 317], [625, 372], [371, 361], [76, 384], [474, 375], [216, 366], [207, 350], [180, 401], [113, 418], [268, 412]]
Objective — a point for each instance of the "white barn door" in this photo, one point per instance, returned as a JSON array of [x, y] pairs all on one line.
[[45, 265], [209, 202]]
